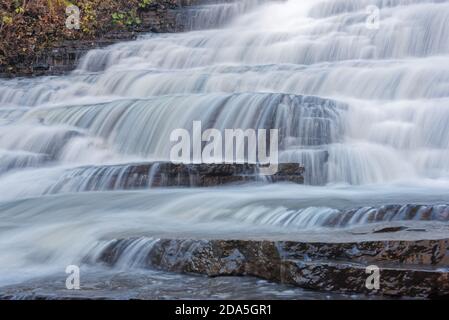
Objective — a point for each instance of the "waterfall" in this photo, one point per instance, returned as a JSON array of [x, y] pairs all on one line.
[[394, 82], [365, 111], [214, 14]]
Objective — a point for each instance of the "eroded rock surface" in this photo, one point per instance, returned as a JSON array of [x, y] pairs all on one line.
[[407, 268], [166, 174]]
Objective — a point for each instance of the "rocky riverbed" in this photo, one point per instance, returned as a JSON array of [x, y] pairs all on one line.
[[412, 258], [100, 283]]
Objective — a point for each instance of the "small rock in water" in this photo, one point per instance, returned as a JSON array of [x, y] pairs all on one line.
[[416, 230], [390, 229]]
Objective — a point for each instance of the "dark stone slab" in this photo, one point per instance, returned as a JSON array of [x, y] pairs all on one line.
[[407, 268], [167, 174]]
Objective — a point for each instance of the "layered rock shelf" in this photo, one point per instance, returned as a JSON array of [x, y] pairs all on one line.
[[167, 174], [410, 265], [206, 175]]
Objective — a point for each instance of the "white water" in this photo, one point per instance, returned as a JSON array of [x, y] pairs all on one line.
[[376, 131]]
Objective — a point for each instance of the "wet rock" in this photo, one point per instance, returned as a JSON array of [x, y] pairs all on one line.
[[390, 229], [350, 277], [388, 213], [166, 174], [41, 67], [407, 268]]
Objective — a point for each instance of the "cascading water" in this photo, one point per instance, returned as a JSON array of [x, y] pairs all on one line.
[[366, 111]]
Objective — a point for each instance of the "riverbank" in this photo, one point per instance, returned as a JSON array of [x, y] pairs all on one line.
[[36, 40]]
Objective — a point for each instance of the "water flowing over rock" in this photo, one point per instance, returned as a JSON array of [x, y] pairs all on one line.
[[407, 268], [161, 16], [363, 117], [160, 174]]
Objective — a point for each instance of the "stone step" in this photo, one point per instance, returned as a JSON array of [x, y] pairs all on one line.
[[345, 277], [407, 267], [167, 174]]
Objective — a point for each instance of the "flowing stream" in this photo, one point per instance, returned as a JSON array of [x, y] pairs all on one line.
[[365, 110]]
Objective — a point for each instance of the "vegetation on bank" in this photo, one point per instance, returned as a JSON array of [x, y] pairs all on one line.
[[29, 26]]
